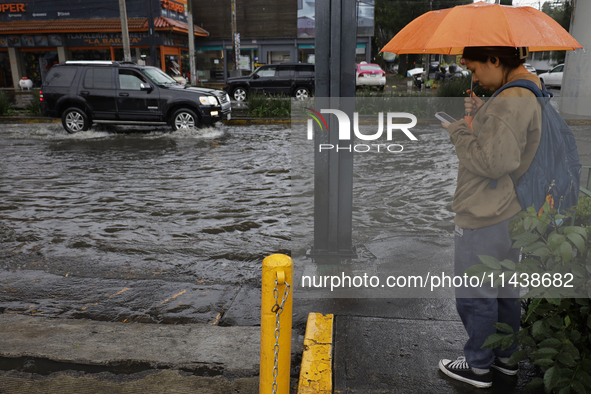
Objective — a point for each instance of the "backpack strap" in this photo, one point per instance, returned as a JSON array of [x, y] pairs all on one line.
[[527, 84]]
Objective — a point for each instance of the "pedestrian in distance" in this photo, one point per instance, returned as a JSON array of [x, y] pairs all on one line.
[[500, 143]]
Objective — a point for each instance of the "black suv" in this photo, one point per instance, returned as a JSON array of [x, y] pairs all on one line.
[[292, 79], [87, 92]]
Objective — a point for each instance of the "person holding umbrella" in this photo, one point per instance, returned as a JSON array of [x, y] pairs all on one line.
[[498, 138], [501, 141]]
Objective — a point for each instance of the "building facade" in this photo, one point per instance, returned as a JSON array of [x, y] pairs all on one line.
[[36, 34], [266, 32]]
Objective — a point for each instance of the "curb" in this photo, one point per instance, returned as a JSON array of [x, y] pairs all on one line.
[[316, 370], [28, 119]]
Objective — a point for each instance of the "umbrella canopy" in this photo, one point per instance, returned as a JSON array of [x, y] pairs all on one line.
[[450, 30]]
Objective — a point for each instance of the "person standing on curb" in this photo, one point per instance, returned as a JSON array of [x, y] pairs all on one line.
[[502, 141]]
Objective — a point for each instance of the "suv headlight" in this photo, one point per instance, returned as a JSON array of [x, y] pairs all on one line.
[[208, 100]]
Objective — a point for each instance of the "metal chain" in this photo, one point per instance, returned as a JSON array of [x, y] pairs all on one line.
[[277, 309]]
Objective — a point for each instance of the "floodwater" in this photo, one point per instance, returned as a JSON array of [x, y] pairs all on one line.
[[118, 225]]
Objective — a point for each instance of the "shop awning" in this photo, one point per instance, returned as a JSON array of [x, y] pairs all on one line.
[[95, 25]]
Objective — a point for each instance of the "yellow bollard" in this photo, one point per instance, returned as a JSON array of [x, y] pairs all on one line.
[[276, 267]]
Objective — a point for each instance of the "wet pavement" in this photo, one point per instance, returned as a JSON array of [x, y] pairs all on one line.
[[150, 227]]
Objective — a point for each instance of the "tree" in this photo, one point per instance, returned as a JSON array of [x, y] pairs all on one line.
[[392, 15], [561, 12]]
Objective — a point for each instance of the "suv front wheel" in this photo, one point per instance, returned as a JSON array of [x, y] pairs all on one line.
[[239, 94], [75, 120], [184, 119], [301, 93]]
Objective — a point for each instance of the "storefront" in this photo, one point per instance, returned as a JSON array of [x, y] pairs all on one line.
[[36, 35]]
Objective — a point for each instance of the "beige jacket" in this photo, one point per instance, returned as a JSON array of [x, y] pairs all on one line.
[[506, 136]]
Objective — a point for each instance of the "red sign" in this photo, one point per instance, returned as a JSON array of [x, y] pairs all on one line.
[[171, 5]]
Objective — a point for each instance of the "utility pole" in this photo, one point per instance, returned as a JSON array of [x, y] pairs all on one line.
[[192, 66], [153, 60], [124, 31], [234, 35]]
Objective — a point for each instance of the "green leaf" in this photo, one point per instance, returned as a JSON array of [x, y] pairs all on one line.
[[541, 252], [575, 230], [504, 327], [550, 342], [532, 247], [508, 264], [556, 321], [564, 390], [571, 349], [577, 240], [493, 341], [584, 378], [566, 251], [491, 262], [575, 335], [517, 356], [545, 352], [544, 362], [478, 270], [551, 378], [567, 321], [566, 359], [532, 307], [507, 341], [535, 383], [525, 239], [578, 387], [555, 240]]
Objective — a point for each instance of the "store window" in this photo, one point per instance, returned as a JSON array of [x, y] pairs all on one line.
[[210, 63], [37, 64], [5, 73], [307, 55]]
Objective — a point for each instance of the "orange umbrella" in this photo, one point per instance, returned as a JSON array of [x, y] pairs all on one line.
[[450, 30]]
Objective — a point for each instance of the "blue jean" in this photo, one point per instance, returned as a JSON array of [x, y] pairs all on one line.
[[480, 308]]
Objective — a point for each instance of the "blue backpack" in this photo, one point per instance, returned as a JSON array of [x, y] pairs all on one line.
[[555, 172]]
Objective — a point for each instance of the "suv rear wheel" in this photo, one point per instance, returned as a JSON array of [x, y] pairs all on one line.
[[301, 93], [75, 120], [184, 119], [239, 94]]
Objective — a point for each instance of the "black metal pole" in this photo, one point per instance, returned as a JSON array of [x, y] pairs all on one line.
[[335, 89]]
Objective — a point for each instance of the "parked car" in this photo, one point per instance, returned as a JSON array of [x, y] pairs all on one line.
[[530, 68], [292, 79], [370, 74], [104, 92], [553, 77]]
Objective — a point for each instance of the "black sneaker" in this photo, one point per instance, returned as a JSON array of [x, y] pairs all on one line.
[[504, 367], [460, 370]]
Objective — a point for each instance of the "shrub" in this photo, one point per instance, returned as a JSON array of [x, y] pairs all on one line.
[[263, 107], [556, 321], [34, 108], [5, 104]]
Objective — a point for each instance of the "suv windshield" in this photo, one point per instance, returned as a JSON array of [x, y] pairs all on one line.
[[158, 76]]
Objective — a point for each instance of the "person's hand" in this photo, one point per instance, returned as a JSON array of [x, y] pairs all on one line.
[[445, 125], [472, 103]]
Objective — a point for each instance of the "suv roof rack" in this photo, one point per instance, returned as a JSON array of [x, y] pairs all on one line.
[[90, 62], [105, 62]]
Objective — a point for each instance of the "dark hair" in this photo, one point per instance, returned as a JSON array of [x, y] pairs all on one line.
[[508, 56]]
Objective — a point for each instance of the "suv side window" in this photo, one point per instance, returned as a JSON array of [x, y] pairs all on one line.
[[305, 71], [99, 78], [61, 77], [268, 72], [286, 72], [130, 80]]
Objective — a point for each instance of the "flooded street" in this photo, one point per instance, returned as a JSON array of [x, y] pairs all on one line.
[[151, 226], [100, 209]]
